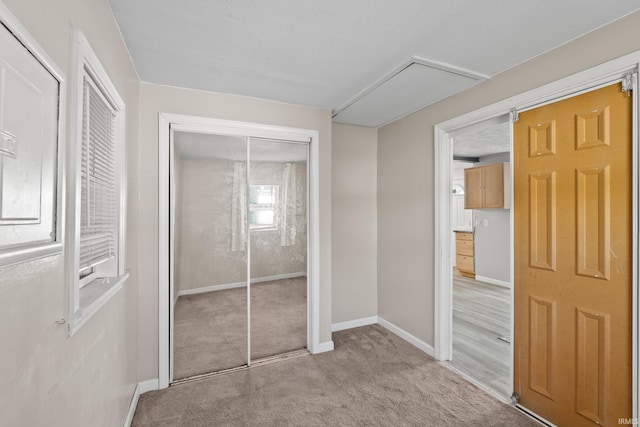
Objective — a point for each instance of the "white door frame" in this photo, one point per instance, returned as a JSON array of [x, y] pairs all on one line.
[[168, 122], [590, 79]]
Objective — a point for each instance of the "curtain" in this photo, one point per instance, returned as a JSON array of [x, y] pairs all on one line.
[[239, 208], [290, 205]]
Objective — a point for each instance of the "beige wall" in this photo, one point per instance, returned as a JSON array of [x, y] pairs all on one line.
[[354, 220], [155, 99], [203, 244], [48, 378], [405, 172]]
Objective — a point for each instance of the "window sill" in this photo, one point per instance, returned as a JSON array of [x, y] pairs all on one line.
[[261, 229], [92, 297]]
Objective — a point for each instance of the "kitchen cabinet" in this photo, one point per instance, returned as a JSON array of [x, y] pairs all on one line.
[[487, 187], [465, 260]]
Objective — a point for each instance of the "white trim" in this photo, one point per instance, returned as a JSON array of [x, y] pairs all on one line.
[[29, 253], [41, 250], [512, 263], [178, 122], [211, 288], [415, 59], [242, 284], [141, 388], [247, 230], [92, 298], [173, 297], [356, 323], [582, 81], [323, 347], [443, 295], [86, 59], [133, 405], [493, 281], [411, 339], [165, 290], [149, 385]]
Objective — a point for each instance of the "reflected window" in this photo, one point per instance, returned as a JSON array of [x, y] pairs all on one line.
[[263, 207]]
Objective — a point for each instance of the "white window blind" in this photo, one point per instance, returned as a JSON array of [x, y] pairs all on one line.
[[99, 214]]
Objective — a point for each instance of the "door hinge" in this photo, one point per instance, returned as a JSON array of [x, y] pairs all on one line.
[[515, 398], [514, 116], [627, 83]]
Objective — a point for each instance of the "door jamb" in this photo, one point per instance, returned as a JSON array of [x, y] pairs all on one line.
[[602, 74], [169, 121]]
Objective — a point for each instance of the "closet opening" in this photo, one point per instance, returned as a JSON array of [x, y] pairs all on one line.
[[240, 272]]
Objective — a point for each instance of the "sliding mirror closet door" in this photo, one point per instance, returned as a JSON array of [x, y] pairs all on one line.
[[278, 246], [210, 253]]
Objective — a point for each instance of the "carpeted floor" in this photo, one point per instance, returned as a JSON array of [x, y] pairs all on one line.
[[372, 378], [210, 329]]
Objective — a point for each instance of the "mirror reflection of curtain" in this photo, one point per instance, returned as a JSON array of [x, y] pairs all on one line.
[[290, 202], [239, 207]]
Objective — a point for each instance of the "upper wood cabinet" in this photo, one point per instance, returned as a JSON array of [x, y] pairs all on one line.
[[487, 187]]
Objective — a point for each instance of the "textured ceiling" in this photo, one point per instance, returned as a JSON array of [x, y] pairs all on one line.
[[483, 139], [328, 53]]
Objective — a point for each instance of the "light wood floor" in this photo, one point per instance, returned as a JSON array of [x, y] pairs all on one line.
[[481, 314]]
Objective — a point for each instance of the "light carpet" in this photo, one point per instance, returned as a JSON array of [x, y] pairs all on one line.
[[210, 329], [372, 378]]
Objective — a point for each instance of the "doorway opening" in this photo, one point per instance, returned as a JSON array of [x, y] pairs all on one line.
[[480, 254], [238, 236], [622, 74]]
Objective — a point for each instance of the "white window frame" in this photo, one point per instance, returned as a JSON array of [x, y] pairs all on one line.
[[87, 296], [276, 206]]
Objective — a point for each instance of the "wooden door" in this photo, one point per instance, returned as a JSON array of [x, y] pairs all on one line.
[[573, 260]]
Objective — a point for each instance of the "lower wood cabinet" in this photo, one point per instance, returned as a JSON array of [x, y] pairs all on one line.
[[465, 262]]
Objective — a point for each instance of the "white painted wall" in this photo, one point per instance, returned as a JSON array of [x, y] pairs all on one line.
[[354, 230], [47, 377], [406, 164]]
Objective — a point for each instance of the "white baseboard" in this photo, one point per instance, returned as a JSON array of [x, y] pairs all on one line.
[[341, 326], [132, 406], [407, 336], [149, 385], [239, 284], [141, 388], [323, 347], [212, 288], [493, 281]]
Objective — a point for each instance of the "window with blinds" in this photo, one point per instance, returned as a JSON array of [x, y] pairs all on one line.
[[263, 207], [98, 181], [96, 222]]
